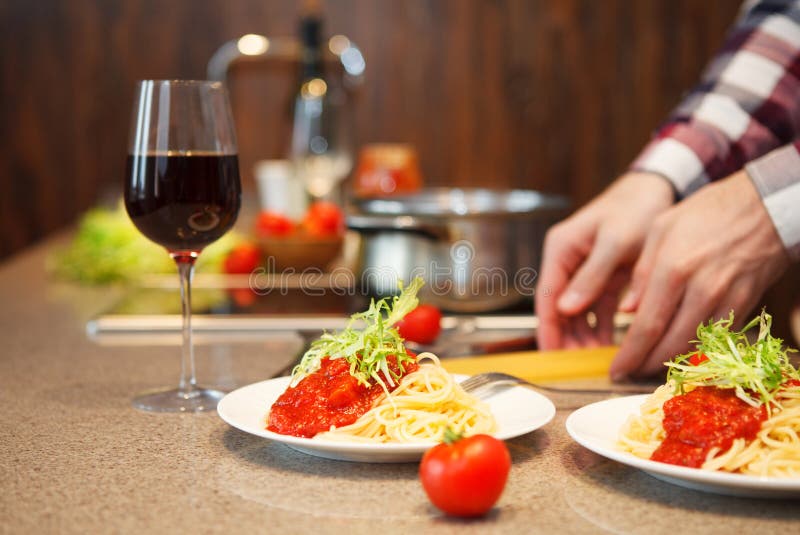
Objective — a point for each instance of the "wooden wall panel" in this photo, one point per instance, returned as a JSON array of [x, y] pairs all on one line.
[[551, 94]]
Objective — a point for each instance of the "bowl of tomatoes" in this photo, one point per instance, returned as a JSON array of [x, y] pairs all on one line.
[[313, 242]]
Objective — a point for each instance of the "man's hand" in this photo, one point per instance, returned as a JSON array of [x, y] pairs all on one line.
[[587, 259], [715, 251]]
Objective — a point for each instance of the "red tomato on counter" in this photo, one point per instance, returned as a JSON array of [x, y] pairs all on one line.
[[243, 258], [422, 325], [324, 219], [465, 476]]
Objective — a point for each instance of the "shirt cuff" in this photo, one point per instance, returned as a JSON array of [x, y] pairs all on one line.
[[776, 177], [676, 161]]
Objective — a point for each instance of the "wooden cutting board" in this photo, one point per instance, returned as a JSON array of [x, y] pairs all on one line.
[[539, 365]]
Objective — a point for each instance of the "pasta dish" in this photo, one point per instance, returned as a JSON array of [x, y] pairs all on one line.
[[732, 405], [363, 385]]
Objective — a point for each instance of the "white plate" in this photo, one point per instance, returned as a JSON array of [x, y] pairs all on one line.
[[597, 426], [518, 411]]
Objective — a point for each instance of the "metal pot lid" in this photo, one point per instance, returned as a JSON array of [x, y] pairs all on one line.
[[463, 202]]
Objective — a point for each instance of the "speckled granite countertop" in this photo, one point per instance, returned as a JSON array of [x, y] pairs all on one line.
[[75, 457]]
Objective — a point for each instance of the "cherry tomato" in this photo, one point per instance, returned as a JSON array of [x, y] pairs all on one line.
[[273, 224], [242, 297], [243, 258], [465, 476], [697, 358], [422, 325], [324, 219]]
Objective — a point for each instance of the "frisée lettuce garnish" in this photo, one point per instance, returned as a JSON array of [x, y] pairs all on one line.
[[728, 359], [369, 338]]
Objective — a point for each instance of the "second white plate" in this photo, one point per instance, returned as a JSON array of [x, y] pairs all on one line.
[[518, 411], [597, 426]]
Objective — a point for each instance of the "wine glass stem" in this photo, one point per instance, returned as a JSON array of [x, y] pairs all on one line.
[[186, 270]]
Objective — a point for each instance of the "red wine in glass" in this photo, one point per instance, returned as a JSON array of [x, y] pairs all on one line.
[[183, 201]]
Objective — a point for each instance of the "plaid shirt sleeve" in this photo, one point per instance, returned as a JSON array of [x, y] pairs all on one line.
[[776, 176], [746, 105]]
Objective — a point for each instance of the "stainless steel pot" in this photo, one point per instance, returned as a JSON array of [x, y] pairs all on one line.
[[478, 249]]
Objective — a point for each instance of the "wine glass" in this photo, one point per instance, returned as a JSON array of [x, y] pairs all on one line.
[[182, 191]]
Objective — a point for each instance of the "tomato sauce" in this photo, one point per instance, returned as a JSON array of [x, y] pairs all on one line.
[[328, 397], [702, 419]]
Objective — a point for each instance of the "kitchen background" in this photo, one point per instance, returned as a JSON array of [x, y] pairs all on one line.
[[554, 95]]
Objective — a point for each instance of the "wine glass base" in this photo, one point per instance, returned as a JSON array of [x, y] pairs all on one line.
[[197, 400]]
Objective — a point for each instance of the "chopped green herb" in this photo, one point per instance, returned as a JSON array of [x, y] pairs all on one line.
[[367, 347], [755, 369]]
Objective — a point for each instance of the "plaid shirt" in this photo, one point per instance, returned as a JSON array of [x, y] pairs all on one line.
[[744, 113]]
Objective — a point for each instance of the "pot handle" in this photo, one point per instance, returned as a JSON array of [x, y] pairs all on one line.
[[371, 224]]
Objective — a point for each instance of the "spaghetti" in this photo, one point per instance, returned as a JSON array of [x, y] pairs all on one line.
[[732, 404], [773, 452], [361, 384], [426, 402]]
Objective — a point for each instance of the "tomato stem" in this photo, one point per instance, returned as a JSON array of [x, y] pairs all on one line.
[[451, 436]]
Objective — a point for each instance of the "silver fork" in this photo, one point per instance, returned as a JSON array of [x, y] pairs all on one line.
[[487, 380]]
